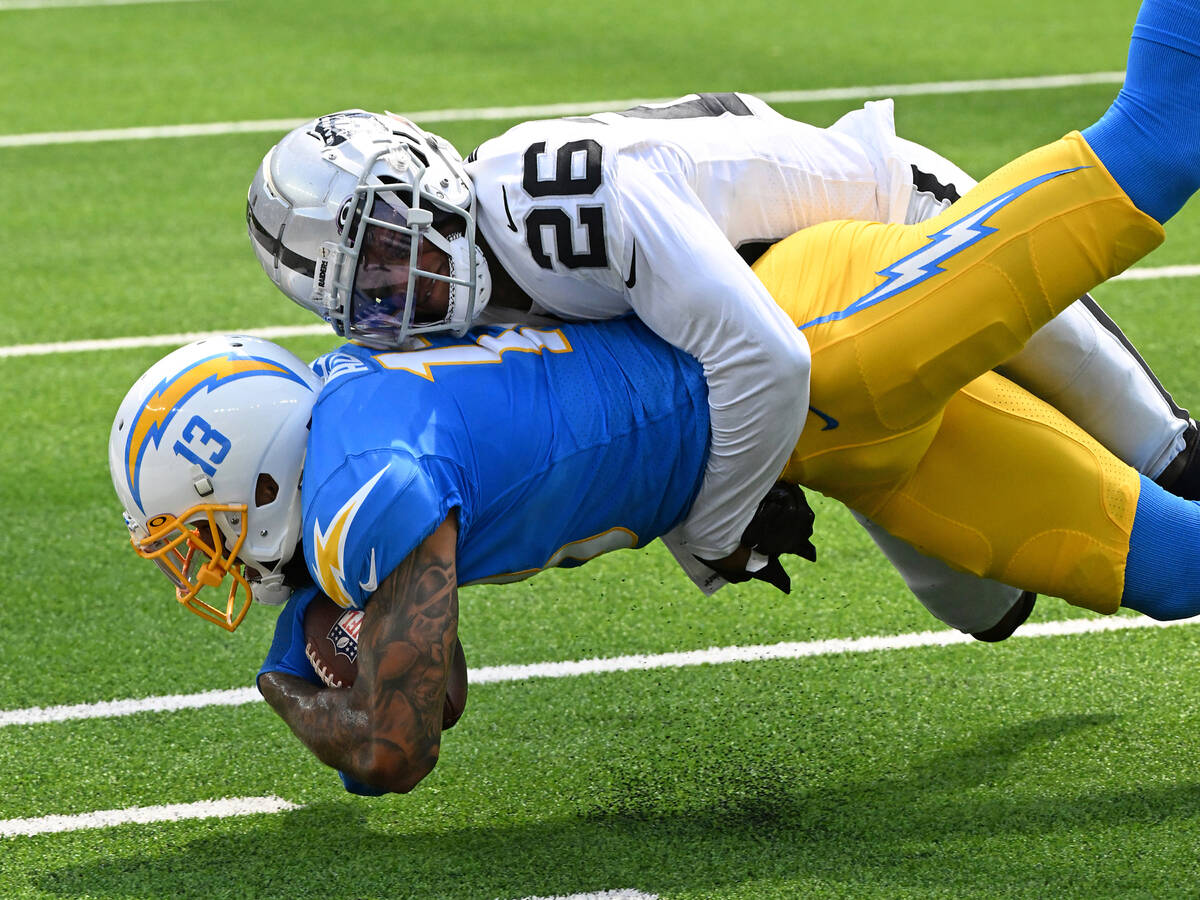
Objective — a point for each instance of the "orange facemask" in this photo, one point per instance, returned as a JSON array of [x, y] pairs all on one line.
[[193, 556]]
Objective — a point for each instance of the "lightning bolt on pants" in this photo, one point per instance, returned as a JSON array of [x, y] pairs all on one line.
[[905, 323]]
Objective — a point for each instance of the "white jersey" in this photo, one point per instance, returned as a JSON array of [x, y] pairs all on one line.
[[642, 212]]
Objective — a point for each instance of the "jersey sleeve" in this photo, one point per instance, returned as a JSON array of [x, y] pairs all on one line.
[[691, 288], [369, 515]]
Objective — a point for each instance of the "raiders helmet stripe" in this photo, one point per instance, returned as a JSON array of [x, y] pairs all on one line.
[[274, 246]]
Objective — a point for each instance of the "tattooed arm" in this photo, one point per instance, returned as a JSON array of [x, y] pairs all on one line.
[[386, 730]]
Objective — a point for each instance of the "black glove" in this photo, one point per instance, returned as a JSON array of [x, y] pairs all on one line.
[[783, 523]]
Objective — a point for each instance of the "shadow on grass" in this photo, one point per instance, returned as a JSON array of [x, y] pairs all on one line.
[[919, 830]]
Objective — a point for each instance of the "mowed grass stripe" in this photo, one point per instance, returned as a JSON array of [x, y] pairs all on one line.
[[276, 332], [636, 662], [493, 113]]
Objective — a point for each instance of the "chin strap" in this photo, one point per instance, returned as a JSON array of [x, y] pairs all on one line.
[[271, 590], [457, 252]]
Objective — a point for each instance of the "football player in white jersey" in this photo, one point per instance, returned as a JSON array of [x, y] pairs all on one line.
[[656, 211]]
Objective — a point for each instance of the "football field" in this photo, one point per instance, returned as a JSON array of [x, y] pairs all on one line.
[[624, 737]]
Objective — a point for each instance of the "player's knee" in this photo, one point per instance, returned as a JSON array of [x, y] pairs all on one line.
[[1009, 622]]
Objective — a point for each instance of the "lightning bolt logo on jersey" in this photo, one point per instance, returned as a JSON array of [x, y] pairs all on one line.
[[329, 546], [152, 419], [543, 448]]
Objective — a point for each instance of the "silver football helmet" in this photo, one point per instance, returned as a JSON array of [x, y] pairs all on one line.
[[206, 454], [368, 221]]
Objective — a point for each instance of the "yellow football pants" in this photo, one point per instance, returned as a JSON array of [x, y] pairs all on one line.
[[909, 426]]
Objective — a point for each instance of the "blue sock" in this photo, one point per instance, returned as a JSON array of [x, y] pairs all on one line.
[[1162, 572], [1149, 139]]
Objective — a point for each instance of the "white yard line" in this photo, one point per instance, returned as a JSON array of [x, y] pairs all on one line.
[[286, 331], [143, 815], [1161, 272], [160, 340], [637, 662], [107, 709], [491, 113], [11, 5]]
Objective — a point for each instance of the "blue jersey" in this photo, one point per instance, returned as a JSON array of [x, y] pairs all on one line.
[[553, 445]]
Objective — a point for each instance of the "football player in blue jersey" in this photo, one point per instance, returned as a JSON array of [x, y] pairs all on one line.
[[657, 211]]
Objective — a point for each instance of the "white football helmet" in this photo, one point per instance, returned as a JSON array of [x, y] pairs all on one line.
[[206, 454], [368, 221]]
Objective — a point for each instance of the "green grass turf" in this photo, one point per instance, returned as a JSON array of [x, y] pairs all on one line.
[[1058, 767], [1032, 769], [197, 62]]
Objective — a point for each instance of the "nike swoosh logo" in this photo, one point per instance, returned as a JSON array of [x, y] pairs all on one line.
[[372, 583], [629, 282], [830, 424], [504, 194]]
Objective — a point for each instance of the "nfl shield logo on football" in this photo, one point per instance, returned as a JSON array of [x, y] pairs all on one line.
[[344, 634]]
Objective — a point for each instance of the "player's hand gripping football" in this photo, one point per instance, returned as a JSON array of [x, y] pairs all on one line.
[[783, 523]]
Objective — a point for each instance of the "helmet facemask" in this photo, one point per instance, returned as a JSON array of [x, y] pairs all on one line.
[[191, 550], [401, 268]]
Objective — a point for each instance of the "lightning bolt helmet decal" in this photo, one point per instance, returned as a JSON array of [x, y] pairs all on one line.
[[165, 400]]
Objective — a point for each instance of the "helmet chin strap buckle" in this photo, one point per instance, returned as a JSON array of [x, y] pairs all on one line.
[[201, 482], [270, 590], [419, 218]]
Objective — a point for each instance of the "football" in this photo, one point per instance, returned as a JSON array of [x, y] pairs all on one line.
[[331, 641], [331, 645], [456, 688]]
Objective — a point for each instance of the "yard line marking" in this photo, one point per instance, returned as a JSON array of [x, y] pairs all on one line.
[[1160, 272], [794, 650], [492, 113], [160, 340], [7, 5], [623, 894], [636, 662], [286, 331], [144, 815], [106, 709]]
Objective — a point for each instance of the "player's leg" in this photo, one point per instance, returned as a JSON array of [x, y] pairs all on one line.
[[900, 317], [1080, 361], [1149, 139], [1082, 364], [986, 609], [1030, 239], [1012, 490]]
